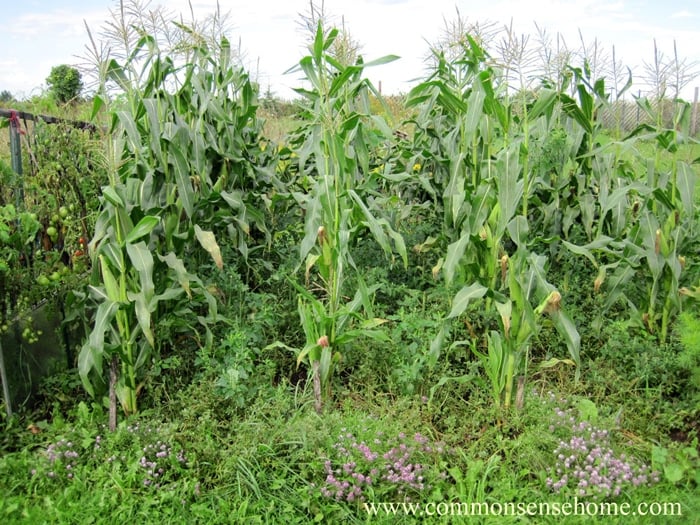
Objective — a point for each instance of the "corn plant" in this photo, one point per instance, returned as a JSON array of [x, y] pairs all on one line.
[[648, 275], [647, 228], [339, 204], [474, 141], [474, 157], [460, 122], [520, 321], [182, 175], [521, 302]]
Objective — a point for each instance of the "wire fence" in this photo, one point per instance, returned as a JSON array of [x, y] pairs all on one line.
[[625, 116], [25, 362]]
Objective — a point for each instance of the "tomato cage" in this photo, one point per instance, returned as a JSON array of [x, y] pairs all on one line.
[[45, 199]]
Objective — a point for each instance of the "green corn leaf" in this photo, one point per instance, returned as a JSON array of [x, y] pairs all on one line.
[[151, 106], [455, 252], [481, 203], [92, 352], [350, 335], [114, 255], [326, 364], [553, 362], [568, 331], [519, 229], [494, 364], [505, 310], [399, 245], [144, 227], [110, 194], [116, 73], [464, 296], [475, 105], [98, 102], [455, 194], [436, 347], [110, 283], [182, 178], [145, 352], [143, 308], [572, 110], [387, 59], [126, 119], [372, 223], [685, 179], [546, 100], [313, 352], [311, 226], [307, 66], [600, 243], [510, 186], [586, 101], [339, 81], [142, 261], [98, 293], [617, 284]]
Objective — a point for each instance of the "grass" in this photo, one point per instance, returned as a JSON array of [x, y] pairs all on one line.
[[262, 469], [269, 462]]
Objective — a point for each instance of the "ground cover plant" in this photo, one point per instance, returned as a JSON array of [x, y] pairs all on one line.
[[496, 304]]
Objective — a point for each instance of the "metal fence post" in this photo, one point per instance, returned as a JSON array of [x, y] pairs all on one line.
[[694, 120], [16, 159], [16, 155]]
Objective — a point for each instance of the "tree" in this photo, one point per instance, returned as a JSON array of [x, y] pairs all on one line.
[[6, 96], [65, 83]]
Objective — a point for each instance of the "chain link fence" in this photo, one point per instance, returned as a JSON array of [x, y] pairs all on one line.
[[625, 115]]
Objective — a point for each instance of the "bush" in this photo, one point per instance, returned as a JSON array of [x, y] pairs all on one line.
[[65, 83]]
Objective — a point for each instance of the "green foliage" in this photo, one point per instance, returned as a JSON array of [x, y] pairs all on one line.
[[65, 83], [543, 224], [333, 153], [689, 357], [477, 151], [46, 214], [520, 322], [680, 464], [6, 96], [181, 170]]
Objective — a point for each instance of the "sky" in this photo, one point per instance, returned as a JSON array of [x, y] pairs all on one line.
[[40, 34]]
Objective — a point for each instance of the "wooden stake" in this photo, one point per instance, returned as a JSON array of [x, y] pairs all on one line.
[[520, 393], [316, 367]]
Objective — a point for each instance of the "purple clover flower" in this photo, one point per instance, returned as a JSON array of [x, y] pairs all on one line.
[[393, 464], [587, 465]]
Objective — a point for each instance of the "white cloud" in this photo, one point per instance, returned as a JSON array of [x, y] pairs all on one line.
[[272, 41], [683, 14]]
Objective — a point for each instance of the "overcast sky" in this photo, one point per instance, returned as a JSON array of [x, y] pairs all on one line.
[[40, 34]]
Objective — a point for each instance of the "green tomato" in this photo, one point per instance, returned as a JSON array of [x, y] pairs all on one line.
[[55, 276], [63, 212], [43, 280], [54, 218], [51, 232]]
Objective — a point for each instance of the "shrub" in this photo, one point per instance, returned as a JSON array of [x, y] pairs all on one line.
[[65, 83]]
